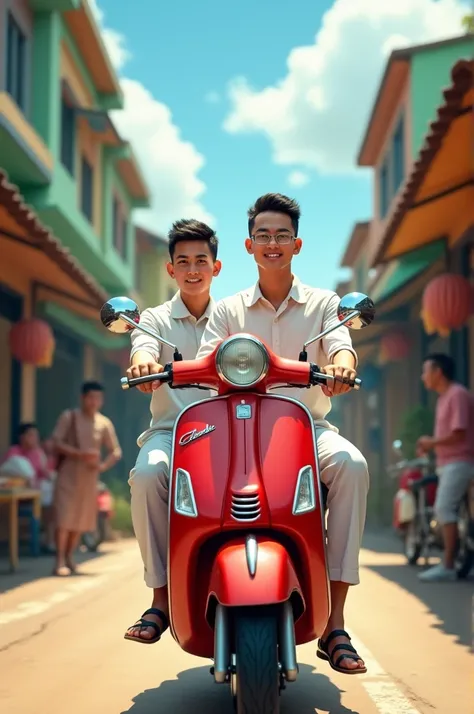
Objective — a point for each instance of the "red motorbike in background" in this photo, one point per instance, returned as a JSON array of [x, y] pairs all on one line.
[[247, 571], [414, 516]]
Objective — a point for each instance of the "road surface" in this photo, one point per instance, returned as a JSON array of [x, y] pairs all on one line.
[[61, 646]]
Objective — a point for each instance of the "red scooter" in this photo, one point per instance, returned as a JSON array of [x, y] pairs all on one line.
[[247, 570]]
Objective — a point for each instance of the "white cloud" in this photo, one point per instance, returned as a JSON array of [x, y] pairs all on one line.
[[169, 163], [212, 97], [315, 116], [298, 178]]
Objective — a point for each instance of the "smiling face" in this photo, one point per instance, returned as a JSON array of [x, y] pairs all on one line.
[[273, 243], [193, 267]]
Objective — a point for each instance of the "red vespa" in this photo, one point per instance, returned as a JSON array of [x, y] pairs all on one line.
[[247, 571]]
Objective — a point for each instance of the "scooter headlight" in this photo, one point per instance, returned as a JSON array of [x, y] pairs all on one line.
[[242, 361]]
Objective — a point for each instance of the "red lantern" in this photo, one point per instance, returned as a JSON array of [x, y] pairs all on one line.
[[32, 342], [394, 347], [447, 303]]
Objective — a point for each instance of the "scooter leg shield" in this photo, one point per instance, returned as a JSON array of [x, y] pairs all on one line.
[[250, 571]]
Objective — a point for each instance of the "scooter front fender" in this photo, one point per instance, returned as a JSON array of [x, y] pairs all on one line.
[[253, 570]]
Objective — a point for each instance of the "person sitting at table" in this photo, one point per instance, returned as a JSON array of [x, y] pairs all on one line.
[[29, 447]]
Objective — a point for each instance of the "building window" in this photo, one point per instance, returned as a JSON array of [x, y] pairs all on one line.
[[68, 136], [16, 61], [120, 228], [384, 189], [87, 189], [398, 162]]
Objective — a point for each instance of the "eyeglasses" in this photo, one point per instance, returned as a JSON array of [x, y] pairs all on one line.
[[280, 239]]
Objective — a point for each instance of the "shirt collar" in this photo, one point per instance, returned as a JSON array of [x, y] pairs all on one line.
[[297, 293], [179, 311]]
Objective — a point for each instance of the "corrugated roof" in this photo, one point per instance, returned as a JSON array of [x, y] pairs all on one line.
[[462, 81], [25, 216]]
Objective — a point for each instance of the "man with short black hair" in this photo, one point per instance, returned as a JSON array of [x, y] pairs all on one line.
[[453, 444], [285, 314], [193, 264]]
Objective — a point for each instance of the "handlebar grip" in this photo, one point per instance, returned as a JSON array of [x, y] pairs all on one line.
[[126, 383], [318, 377]]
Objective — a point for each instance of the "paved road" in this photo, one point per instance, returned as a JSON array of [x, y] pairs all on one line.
[[61, 646]]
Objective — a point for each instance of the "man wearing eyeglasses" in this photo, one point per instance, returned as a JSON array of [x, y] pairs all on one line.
[[285, 314]]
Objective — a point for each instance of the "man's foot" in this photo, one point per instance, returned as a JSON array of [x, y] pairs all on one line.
[[149, 628], [61, 571], [336, 649], [438, 573]]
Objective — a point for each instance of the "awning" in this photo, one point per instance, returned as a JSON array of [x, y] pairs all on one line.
[[438, 198], [32, 253], [92, 332], [405, 269]]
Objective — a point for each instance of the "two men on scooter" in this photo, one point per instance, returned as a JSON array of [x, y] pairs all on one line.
[[453, 444], [284, 313]]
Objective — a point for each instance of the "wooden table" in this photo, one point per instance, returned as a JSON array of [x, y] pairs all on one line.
[[13, 497]]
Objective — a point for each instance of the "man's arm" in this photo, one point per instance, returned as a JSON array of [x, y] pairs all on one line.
[[113, 447], [217, 329], [145, 353], [342, 358]]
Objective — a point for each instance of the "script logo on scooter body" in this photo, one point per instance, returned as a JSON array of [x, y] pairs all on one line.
[[195, 434]]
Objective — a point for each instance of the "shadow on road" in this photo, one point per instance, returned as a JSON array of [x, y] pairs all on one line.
[[451, 603], [30, 569], [195, 690]]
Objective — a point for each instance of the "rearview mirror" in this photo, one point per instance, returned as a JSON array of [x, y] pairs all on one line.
[[356, 303], [120, 315]]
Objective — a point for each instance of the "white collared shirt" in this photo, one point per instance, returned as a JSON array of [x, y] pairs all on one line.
[[303, 314], [174, 323]]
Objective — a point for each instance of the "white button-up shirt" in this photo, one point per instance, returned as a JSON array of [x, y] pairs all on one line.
[[174, 323], [303, 314]]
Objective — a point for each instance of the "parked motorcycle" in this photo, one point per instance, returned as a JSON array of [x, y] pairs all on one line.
[[247, 569], [414, 515], [105, 505]]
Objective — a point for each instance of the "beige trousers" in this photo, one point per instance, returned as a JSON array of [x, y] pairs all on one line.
[[343, 470]]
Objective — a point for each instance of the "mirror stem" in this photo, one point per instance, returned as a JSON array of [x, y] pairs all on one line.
[[150, 333], [329, 329]]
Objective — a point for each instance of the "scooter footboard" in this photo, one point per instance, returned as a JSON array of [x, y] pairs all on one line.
[[252, 571]]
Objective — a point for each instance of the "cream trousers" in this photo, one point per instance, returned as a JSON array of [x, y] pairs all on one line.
[[343, 470]]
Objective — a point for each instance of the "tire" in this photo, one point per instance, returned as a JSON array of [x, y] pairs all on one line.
[[411, 543], [257, 685]]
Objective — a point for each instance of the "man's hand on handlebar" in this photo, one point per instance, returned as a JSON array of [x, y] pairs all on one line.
[[143, 365], [335, 387]]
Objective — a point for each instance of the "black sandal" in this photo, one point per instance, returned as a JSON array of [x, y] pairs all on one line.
[[349, 653], [143, 624]]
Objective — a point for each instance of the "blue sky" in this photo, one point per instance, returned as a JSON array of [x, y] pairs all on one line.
[[188, 55]]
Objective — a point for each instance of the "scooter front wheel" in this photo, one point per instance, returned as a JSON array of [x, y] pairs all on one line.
[[257, 678]]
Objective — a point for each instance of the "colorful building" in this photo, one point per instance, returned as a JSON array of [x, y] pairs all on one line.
[[421, 228], [69, 185]]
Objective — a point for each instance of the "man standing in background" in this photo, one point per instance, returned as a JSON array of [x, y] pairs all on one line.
[[453, 444], [79, 437]]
